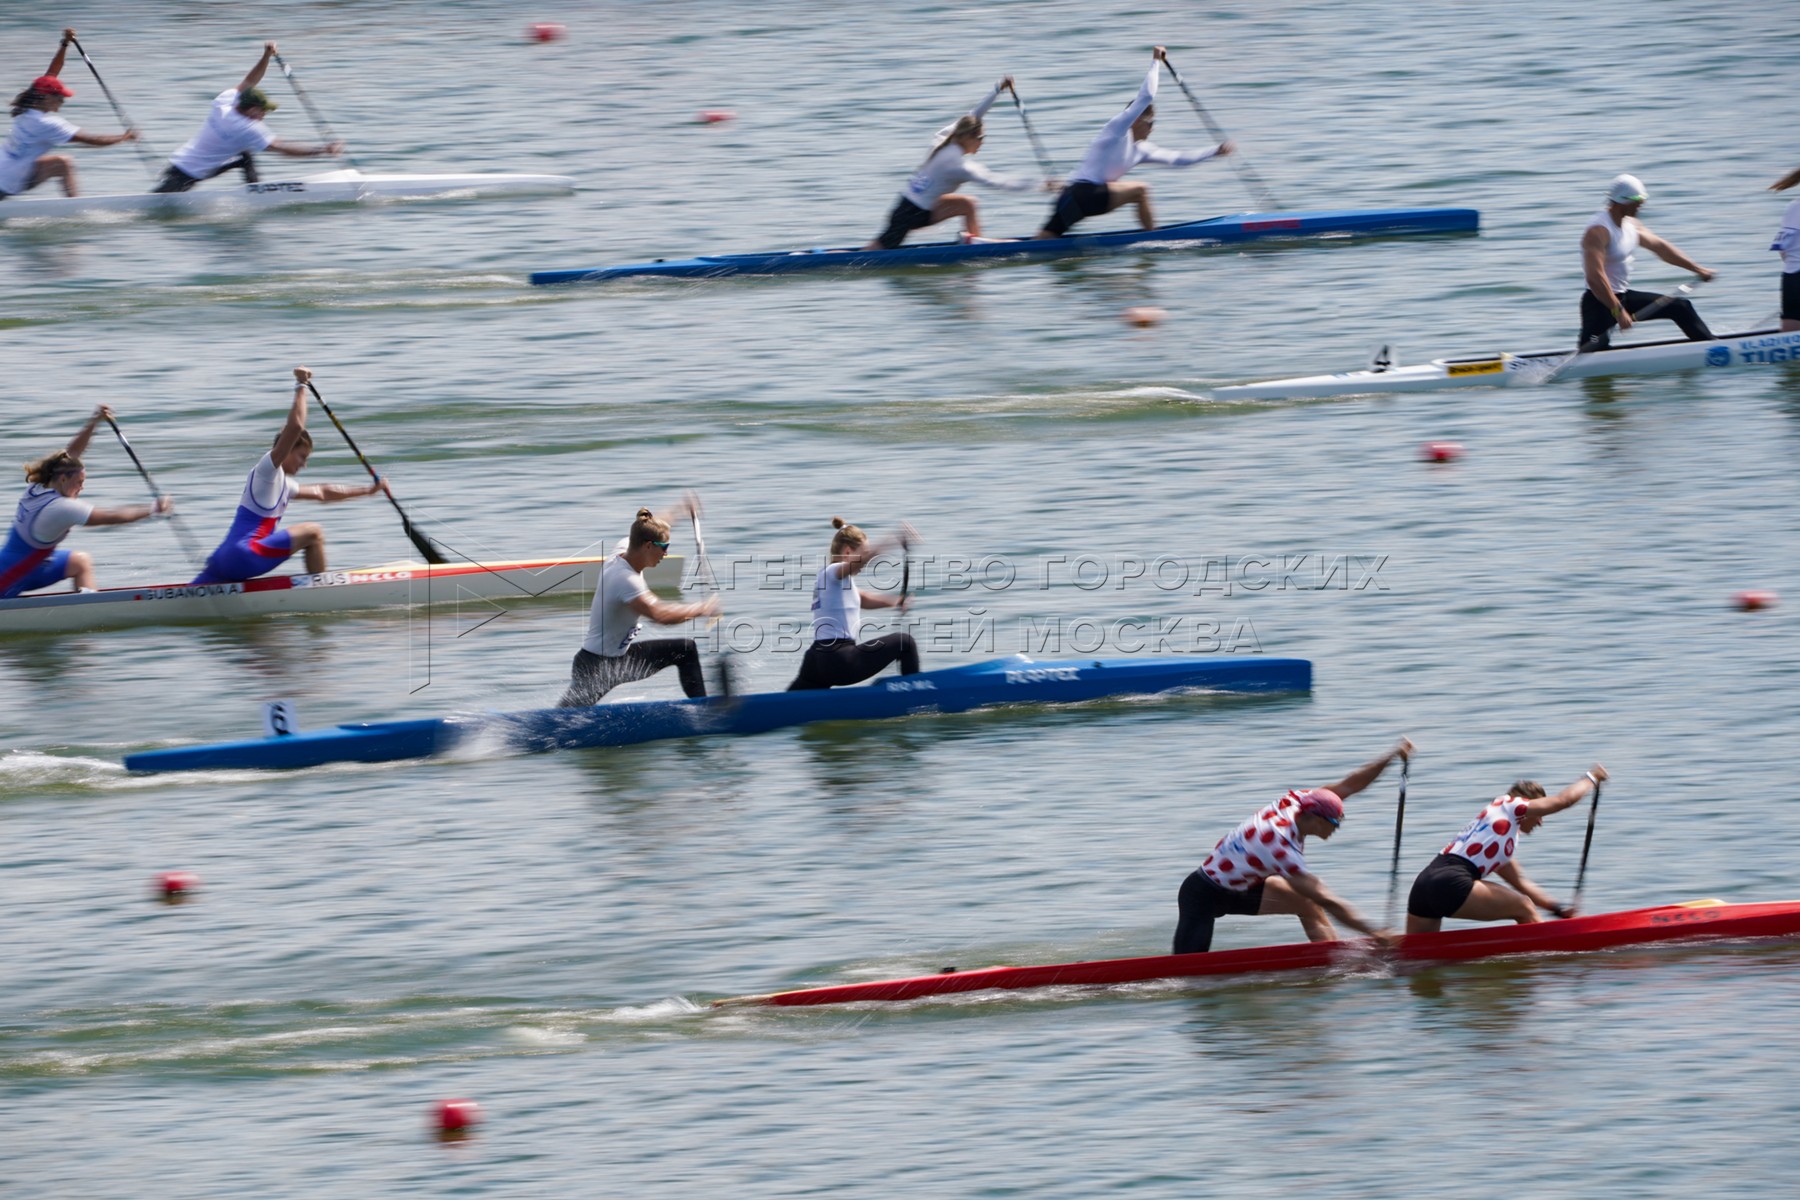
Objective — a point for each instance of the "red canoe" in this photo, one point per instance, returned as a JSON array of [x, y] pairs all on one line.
[[1709, 919]]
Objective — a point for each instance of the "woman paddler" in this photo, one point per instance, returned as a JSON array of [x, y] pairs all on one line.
[[1456, 885], [1259, 868], [256, 544], [611, 654], [930, 196], [49, 510], [835, 657], [36, 128]]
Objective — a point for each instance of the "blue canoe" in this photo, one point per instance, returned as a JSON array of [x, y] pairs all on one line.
[[1015, 680], [1219, 231]]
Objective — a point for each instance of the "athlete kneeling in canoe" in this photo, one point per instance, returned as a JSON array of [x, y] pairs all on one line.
[[49, 510], [36, 128], [835, 657], [929, 196], [1455, 884], [255, 545], [1607, 247], [1094, 188], [1259, 869], [611, 654], [234, 130], [1787, 241]]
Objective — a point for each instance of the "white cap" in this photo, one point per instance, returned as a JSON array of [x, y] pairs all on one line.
[[1627, 188]]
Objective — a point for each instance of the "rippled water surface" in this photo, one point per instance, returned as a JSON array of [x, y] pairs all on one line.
[[543, 933]]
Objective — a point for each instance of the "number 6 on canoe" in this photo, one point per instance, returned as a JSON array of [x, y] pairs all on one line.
[[419, 540]]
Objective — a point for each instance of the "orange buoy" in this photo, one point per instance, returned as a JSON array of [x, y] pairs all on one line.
[[1755, 601], [1144, 317], [1441, 452], [172, 887], [545, 31]]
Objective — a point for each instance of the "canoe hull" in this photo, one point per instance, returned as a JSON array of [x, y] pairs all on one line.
[[1016, 680], [332, 187], [390, 585], [1218, 231], [1757, 348], [1643, 926]]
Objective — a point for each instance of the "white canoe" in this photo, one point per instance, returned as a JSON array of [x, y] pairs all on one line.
[[332, 187], [396, 584], [1499, 369]]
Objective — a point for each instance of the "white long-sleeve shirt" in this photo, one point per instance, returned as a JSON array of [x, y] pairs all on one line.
[[949, 168], [1115, 151]]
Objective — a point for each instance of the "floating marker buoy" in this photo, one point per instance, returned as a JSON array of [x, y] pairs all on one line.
[[714, 116], [1755, 601], [545, 31], [172, 887], [455, 1118], [1441, 452], [1143, 317]]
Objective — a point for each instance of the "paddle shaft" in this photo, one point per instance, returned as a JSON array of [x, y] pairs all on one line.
[[419, 540], [188, 545], [1586, 845], [318, 120], [1037, 144], [143, 150], [1259, 191], [1399, 823], [727, 676]]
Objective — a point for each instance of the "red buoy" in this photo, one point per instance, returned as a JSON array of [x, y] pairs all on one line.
[[175, 886], [545, 31], [1441, 452], [1755, 601], [1143, 317], [714, 116], [455, 1118]]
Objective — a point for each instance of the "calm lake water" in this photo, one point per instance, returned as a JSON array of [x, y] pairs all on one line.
[[542, 934]]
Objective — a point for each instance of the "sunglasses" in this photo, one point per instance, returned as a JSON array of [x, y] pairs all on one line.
[[660, 545]]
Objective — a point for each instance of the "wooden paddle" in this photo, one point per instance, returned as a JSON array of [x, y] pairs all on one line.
[[317, 120], [419, 540], [148, 156], [1259, 191]]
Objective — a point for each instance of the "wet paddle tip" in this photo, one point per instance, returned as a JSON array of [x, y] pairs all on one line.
[[1755, 600], [1440, 452]]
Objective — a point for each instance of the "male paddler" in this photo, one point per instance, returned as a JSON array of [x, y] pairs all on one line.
[[1607, 246], [1094, 187], [1259, 868], [233, 132], [255, 545]]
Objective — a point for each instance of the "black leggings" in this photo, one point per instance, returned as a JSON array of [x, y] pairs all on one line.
[[1597, 320], [1203, 902], [177, 180], [839, 661], [593, 675]]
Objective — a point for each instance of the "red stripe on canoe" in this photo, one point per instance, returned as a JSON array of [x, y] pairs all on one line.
[[1600, 932]]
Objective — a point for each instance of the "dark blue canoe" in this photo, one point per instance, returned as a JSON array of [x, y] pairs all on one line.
[[1219, 231], [1015, 680]]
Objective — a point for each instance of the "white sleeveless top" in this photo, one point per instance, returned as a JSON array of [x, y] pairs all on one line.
[[1621, 245], [45, 516], [267, 489], [836, 605], [1490, 840]]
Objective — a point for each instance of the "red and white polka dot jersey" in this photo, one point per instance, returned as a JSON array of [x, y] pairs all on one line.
[[1491, 838], [1267, 844]]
